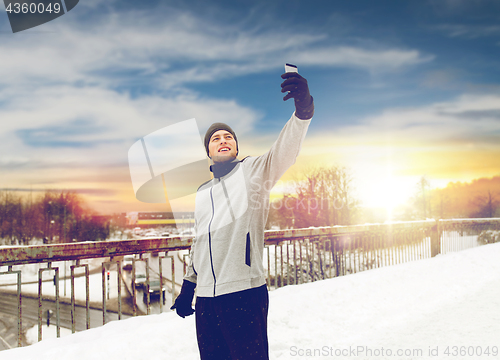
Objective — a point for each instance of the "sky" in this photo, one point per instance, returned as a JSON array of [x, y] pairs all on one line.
[[402, 89], [444, 307]]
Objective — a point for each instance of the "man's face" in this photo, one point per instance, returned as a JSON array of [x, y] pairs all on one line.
[[222, 146]]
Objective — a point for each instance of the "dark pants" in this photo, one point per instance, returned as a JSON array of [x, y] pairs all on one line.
[[233, 326]]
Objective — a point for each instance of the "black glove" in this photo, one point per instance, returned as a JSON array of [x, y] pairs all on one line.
[[297, 89], [185, 299]]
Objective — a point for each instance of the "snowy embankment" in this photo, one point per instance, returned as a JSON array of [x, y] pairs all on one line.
[[439, 308]]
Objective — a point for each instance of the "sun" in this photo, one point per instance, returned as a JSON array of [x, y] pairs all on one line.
[[387, 192]]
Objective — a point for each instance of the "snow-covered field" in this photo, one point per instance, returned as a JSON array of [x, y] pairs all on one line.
[[447, 307]]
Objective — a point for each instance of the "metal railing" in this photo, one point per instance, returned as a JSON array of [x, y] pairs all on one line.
[[111, 255], [307, 255], [292, 257]]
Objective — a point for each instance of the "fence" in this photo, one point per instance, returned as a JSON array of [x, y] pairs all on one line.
[[306, 255], [292, 257]]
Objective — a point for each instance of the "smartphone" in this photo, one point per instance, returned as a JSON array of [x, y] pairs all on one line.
[[291, 68]]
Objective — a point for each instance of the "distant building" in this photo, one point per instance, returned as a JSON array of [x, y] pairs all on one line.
[[156, 219]]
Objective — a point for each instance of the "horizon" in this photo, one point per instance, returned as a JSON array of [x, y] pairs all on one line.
[[274, 195], [401, 89]]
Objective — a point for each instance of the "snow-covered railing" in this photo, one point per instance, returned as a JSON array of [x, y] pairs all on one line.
[[304, 255], [105, 257], [461, 234], [292, 257]]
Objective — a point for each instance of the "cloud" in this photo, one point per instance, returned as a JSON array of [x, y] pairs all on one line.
[[85, 191], [467, 117], [466, 121], [171, 48], [91, 126], [464, 7], [448, 141], [61, 135], [75, 96], [469, 31], [370, 59], [74, 90]]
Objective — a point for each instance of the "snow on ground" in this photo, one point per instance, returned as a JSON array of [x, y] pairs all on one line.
[[417, 310], [48, 332]]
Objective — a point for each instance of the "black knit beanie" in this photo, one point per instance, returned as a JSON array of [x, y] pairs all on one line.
[[216, 127]]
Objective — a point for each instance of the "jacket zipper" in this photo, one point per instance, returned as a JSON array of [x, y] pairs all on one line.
[[227, 199], [210, 239]]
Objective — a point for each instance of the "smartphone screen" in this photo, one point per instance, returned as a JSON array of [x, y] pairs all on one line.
[[291, 68]]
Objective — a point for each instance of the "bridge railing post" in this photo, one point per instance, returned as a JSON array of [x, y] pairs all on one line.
[[436, 239]]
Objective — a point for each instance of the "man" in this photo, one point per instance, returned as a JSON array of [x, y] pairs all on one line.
[[227, 253]]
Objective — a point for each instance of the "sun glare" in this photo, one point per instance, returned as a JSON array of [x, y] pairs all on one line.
[[387, 193]]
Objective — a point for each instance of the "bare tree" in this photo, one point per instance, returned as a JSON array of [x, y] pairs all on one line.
[[485, 205], [422, 198], [54, 217], [322, 198]]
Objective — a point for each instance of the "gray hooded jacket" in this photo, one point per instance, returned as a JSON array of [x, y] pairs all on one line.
[[230, 216]]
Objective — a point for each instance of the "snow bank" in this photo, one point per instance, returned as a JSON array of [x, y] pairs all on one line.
[[417, 310]]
